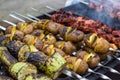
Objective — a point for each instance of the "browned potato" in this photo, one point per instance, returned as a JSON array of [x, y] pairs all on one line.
[[81, 54], [76, 64], [60, 52], [67, 47], [25, 27], [29, 39], [1, 32], [8, 30], [18, 35], [90, 39], [71, 34], [49, 39], [28, 29], [93, 61], [103, 56], [41, 24], [34, 24], [48, 49], [101, 46], [80, 66], [37, 32], [38, 44], [53, 27], [91, 58]]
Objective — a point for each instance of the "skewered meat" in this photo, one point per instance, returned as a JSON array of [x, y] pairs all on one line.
[[63, 17], [89, 26]]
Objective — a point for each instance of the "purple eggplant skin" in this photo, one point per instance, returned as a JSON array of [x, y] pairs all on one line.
[[14, 47], [37, 58], [5, 57], [5, 78]]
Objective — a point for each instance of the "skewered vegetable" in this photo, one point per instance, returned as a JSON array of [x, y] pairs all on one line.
[[99, 45], [90, 57], [67, 47], [50, 65], [45, 41], [20, 70], [76, 64]]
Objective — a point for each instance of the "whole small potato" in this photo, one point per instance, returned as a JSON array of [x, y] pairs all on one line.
[[101, 46], [93, 61], [67, 47], [18, 35], [28, 29]]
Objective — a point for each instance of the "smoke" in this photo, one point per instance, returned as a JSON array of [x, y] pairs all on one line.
[[106, 9]]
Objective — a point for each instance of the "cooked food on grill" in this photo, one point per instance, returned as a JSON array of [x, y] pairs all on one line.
[[18, 70], [88, 26], [68, 47], [49, 46], [31, 54], [90, 57], [99, 45]]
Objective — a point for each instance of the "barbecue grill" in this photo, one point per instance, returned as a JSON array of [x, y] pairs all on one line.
[[81, 9]]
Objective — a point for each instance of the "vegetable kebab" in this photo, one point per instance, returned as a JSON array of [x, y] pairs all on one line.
[[19, 70]]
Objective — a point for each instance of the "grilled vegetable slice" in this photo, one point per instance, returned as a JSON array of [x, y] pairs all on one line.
[[20, 70], [54, 65], [5, 57]]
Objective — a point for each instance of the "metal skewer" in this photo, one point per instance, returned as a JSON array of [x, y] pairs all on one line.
[[13, 16], [23, 16], [110, 69], [41, 12], [101, 75], [3, 28], [6, 21], [31, 16]]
